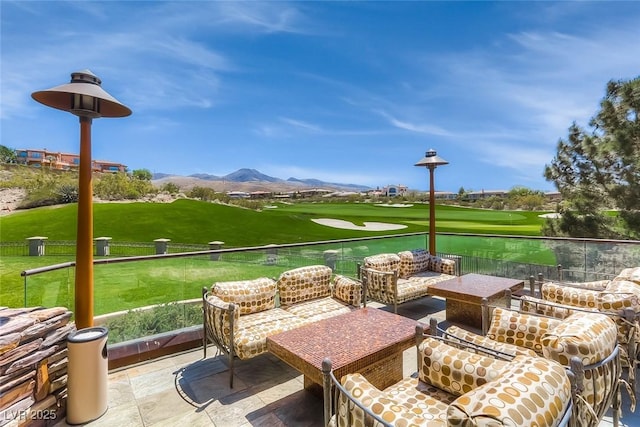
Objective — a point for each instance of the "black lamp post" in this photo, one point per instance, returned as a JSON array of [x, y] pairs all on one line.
[[85, 98], [432, 161]]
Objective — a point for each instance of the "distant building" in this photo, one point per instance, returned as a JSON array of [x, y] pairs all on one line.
[[394, 190], [238, 194], [311, 192], [63, 161], [445, 195]]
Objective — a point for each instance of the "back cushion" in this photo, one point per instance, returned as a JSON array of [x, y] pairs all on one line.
[[443, 265], [251, 296], [455, 370], [413, 261], [521, 329], [570, 296], [590, 336], [383, 262], [534, 305], [620, 294], [304, 283], [631, 274]]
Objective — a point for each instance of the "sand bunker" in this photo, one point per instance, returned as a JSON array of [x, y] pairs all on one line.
[[368, 226], [554, 215], [395, 205]]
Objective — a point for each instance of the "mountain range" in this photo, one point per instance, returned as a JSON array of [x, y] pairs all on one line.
[[251, 180]]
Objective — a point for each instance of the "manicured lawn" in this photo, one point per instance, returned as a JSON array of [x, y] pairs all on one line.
[[123, 286]]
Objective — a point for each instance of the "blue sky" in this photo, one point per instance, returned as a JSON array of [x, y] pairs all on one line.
[[348, 92]]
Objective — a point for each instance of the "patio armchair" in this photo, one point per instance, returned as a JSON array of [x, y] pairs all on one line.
[[393, 279], [455, 384], [618, 298], [584, 342]]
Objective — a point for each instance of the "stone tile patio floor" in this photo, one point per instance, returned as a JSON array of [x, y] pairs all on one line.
[[186, 389]]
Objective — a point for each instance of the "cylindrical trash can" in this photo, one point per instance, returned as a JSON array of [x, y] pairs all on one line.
[[87, 371]]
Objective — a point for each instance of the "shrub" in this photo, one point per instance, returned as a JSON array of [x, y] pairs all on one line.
[[67, 193], [161, 318], [170, 188]]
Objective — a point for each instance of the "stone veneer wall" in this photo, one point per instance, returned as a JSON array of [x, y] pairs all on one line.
[[33, 365]]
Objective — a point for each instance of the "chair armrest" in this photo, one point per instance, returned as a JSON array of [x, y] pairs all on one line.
[[443, 265], [220, 320], [347, 290], [381, 285]]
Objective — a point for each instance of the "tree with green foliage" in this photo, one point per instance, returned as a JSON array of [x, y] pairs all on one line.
[[7, 155], [142, 174], [599, 169], [121, 185], [525, 198]]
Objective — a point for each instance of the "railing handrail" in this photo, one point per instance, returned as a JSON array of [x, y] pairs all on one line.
[[45, 269], [54, 267]]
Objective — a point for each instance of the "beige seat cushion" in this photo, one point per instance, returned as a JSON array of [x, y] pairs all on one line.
[[318, 309], [532, 392], [250, 338], [422, 399], [376, 401]]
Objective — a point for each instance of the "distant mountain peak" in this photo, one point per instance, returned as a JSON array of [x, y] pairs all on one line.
[[247, 175]]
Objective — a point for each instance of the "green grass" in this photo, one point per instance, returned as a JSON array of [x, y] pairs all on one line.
[[191, 221], [129, 285]]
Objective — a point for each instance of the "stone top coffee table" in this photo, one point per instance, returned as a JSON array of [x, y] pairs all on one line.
[[464, 296], [368, 341]]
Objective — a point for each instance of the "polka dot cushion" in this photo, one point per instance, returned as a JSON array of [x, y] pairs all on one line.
[[620, 294], [539, 306], [630, 274], [570, 296], [304, 283], [383, 262], [378, 402], [510, 349], [532, 392], [318, 309], [443, 265], [595, 285], [251, 296], [455, 370], [347, 290], [422, 399], [414, 261], [590, 336], [250, 338], [521, 329]]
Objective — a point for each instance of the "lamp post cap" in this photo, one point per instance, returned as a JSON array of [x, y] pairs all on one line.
[[85, 84], [431, 160]]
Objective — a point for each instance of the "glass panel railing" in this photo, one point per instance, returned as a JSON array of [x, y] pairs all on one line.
[[124, 284]]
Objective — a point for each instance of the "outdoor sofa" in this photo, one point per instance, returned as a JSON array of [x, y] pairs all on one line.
[[238, 316], [455, 385], [391, 278]]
